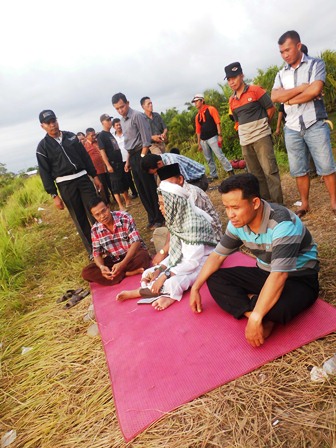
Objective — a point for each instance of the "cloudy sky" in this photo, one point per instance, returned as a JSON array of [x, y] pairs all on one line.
[[72, 56]]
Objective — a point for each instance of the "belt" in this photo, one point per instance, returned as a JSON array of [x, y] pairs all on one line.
[[60, 179]]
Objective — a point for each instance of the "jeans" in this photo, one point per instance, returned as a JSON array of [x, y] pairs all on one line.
[[314, 140], [209, 147]]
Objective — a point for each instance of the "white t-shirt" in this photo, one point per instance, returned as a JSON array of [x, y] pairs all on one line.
[[121, 143]]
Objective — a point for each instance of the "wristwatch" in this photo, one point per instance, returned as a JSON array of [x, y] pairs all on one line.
[[162, 251], [167, 273]]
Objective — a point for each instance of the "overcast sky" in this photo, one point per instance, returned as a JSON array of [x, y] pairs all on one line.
[[72, 56]]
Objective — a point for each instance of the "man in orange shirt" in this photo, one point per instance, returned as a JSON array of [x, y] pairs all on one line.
[[209, 137], [91, 146]]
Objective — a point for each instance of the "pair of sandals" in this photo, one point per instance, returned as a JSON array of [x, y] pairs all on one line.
[[73, 296]]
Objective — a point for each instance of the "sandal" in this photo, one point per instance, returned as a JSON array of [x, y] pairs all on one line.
[[69, 294], [76, 298], [301, 213]]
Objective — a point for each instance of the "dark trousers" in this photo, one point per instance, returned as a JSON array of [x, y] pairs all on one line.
[[230, 286], [77, 195], [92, 273], [201, 183], [129, 181], [146, 186], [104, 179]]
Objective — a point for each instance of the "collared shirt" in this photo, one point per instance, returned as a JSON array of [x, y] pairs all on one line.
[[156, 123], [115, 243], [283, 243], [136, 129], [302, 116], [190, 169], [250, 112]]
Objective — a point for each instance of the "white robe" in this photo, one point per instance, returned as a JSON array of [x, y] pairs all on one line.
[[186, 271]]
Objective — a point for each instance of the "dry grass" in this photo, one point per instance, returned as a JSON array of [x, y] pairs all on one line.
[[58, 395]]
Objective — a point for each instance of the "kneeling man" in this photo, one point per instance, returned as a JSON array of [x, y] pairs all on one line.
[[285, 279], [117, 247]]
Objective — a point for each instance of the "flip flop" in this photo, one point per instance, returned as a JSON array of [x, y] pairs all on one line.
[[301, 213], [76, 298], [69, 293]]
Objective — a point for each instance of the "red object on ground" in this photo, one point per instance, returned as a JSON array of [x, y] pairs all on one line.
[[159, 360], [220, 144], [238, 164]]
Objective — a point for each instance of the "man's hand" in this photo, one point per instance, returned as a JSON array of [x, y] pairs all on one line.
[[200, 148], [98, 184], [157, 285], [157, 138], [151, 276], [195, 301], [127, 166], [110, 169], [58, 203], [254, 331], [117, 268], [106, 272]]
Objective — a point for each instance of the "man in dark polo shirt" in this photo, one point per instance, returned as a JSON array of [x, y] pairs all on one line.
[[252, 111], [65, 166], [112, 158], [138, 137], [209, 136], [158, 126]]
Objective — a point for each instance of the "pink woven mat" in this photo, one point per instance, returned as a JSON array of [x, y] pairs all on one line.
[[159, 360]]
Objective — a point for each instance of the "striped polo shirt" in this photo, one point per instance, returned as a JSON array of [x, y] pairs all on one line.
[[301, 116], [250, 112], [283, 243]]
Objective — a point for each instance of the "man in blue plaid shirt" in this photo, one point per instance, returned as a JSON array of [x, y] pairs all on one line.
[[192, 171]]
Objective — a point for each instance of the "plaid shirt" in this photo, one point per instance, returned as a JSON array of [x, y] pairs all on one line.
[[115, 243]]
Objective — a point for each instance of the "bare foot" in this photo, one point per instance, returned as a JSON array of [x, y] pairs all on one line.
[[268, 328], [162, 303], [135, 272], [125, 295]]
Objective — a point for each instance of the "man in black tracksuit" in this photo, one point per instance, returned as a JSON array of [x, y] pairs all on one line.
[[65, 167]]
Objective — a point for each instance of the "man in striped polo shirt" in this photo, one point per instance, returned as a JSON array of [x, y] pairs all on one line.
[[252, 111], [299, 86], [284, 281]]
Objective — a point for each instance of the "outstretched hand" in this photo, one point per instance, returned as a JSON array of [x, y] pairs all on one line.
[[195, 301]]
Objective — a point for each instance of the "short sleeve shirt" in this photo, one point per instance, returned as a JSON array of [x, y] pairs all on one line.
[[115, 243], [107, 142], [283, 243]]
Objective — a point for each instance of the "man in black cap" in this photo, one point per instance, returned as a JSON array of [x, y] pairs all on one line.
[[252, 111], [172, 173], [65, 167]]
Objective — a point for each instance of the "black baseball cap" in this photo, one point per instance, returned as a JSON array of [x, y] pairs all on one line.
[[233, 70], [47, 115]]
